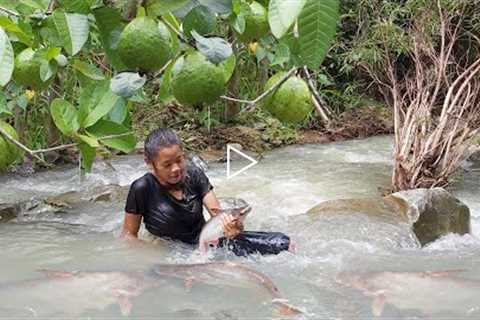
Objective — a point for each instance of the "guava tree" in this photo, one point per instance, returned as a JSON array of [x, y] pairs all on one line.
[[82, 64]]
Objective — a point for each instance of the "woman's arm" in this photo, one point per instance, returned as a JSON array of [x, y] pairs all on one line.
[[212, 204], [131, 225]]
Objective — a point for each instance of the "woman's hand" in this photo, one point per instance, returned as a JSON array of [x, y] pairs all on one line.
[[231, 226]]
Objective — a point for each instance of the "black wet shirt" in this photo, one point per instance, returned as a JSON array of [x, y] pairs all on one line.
[[163, 214]]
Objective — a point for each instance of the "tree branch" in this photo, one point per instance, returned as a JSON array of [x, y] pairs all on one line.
[[178, 33], [9, 12], [20, 145], [251, 103]]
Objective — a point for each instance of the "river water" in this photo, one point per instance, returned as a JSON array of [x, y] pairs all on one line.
[[282, 186]]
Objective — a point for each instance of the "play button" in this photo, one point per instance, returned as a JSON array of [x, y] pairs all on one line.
[[231, 148]]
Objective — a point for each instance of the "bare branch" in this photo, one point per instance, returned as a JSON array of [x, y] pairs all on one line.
[[9, 12]]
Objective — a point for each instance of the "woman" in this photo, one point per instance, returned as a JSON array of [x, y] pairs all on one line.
[[170, 201]]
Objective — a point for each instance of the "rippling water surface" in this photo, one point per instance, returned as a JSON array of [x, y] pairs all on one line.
[[285, 184]]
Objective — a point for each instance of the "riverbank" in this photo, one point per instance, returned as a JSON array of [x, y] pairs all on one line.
[[259, 133]]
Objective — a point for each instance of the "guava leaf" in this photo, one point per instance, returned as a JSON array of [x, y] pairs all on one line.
[[105, 128], [88, 70], [200, 19], [110, 25], [317, 24], [282, 14], [64, 116], [6, 59], [215, 49], [73, 28], [125, 84]]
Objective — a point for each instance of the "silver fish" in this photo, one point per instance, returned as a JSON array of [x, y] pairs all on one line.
[[73, 293], [428, 292], [213, 229], [228, 274]]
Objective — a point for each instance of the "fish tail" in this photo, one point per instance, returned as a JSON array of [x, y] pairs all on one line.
[[286, 309]]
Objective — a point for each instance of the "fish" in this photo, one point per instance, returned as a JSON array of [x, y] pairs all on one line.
[[213, 229], [431, 293], [226, 273], [71, 294]]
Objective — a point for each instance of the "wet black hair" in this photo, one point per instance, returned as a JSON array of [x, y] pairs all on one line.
[[158, 139]]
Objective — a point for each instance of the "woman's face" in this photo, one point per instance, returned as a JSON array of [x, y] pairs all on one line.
[[169, 165]]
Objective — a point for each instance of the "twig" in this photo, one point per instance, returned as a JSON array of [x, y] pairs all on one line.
[[71, 145], [162, 70], [178, 33], [9, 12], [315, 92], [251, 103], [20, 145], [51, 6], [34, 153]]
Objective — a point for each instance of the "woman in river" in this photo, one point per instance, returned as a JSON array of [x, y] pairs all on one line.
[[170, 199]]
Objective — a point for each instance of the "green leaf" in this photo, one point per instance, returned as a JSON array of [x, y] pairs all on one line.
[[105, 128], [283, 13], [160, 7], [282, 55], [78, 6], [316, 27], [87, 156], [229, 66], [200, 19], [215, 49], [4, 109], [125, 84], [22, 101], [6, 59], [16, 30], [218, 6], [110, 24], [73, 28], [52, 53], [119, 112], [106, 103], [170, 18], [91, 141], [47, 69], [64, 116], [88, 70]]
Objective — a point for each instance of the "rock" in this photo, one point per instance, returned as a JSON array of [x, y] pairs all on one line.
[[435, 213], [8, 211], [430, 213]]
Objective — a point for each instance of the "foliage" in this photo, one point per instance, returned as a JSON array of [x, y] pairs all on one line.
[[83, 65]]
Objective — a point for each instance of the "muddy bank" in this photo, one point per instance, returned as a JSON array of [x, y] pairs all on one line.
[[263, 134]]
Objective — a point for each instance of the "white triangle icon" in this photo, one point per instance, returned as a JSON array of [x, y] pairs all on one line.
[[252, 161]]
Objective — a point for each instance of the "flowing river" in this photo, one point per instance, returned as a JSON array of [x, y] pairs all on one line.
[[282, 186]]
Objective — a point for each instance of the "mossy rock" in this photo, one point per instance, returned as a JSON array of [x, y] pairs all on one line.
[[292, 102], [256, 23], [27, 70], [9, 153], [195, 80], [145, 45]]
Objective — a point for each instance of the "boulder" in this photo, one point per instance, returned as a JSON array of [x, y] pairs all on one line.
[[430, 213], [434, 213]]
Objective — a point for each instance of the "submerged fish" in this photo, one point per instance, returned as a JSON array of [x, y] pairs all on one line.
[[213, 229], [73, 293], [428, 292], [228, 274]]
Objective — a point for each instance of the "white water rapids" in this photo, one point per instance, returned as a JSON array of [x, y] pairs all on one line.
[[285, 183]]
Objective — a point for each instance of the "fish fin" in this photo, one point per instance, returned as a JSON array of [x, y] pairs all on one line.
[[441, 274], [378, 304], [285, 309], [125, 304], [56, 273], [189, 283]]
